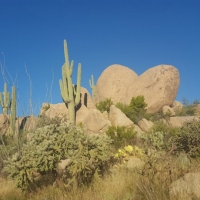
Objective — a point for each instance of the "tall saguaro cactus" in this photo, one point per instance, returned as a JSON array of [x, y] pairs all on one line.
[[92, 85], [13, 112], [69, 93], [5, 99]]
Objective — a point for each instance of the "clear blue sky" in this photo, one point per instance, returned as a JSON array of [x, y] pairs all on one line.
[[139, 34]]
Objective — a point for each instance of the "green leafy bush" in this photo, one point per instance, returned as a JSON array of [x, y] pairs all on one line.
[[121, 135], [187, 139], [135, 111], [48, 145], [104, 105]]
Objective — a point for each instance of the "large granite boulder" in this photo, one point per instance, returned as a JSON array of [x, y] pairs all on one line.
[[118, 118], [95, 121], [178, 121], [27, 123], [113, 83], [159, 85], [60, 109]]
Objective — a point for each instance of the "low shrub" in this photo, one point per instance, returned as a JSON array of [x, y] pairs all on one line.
[[121, 135], [187, 139], [44, 120], [104, 105], [48, 145], [188, 108], [135, 111], [154, 140]]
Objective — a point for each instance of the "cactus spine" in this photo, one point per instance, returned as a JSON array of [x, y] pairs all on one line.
[[13, 112], [69, 93], [92, 85], [5, 100]]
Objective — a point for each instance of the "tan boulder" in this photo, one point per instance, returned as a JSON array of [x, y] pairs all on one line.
[[145, 124], [81, 114], [185, 188], [95, 121], [105, 114], [178, 121], [60, 109], [113, 83], [53, 110], [168, 111], [28, 123], [86, 99], [177, 106], [159, 85], [138, 130], [61, 166], [118, 118]]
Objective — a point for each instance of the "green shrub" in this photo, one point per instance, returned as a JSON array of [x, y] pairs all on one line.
[[163, 127], [121, 135], [104, 105], [187, 139], [50, 144], [135, 111], [44, 120], [188, 108], [154, 140]]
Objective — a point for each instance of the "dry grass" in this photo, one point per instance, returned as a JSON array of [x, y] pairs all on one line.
[[121, 184], [117, 186], [8, 190]]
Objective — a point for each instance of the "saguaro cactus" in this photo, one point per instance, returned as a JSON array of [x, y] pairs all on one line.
[[92, 85], [70, 94], [13, 111], [5, 100]]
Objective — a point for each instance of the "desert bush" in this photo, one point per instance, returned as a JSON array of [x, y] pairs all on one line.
[[104, 105], [160, 136], [50, 144], [154, 140], [44, 120], [160, 170], [187, 139], [135, 111], [10, 145], [121, 135], [162, 126], [188, 108]]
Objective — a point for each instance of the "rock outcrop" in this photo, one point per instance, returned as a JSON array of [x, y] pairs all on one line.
[[145, 124], [177, 106], [178, 121], [159, 85], [167, 110], [113, 83], [118, 118]]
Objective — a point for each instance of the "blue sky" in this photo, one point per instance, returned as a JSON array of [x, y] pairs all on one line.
[[138, 34]]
